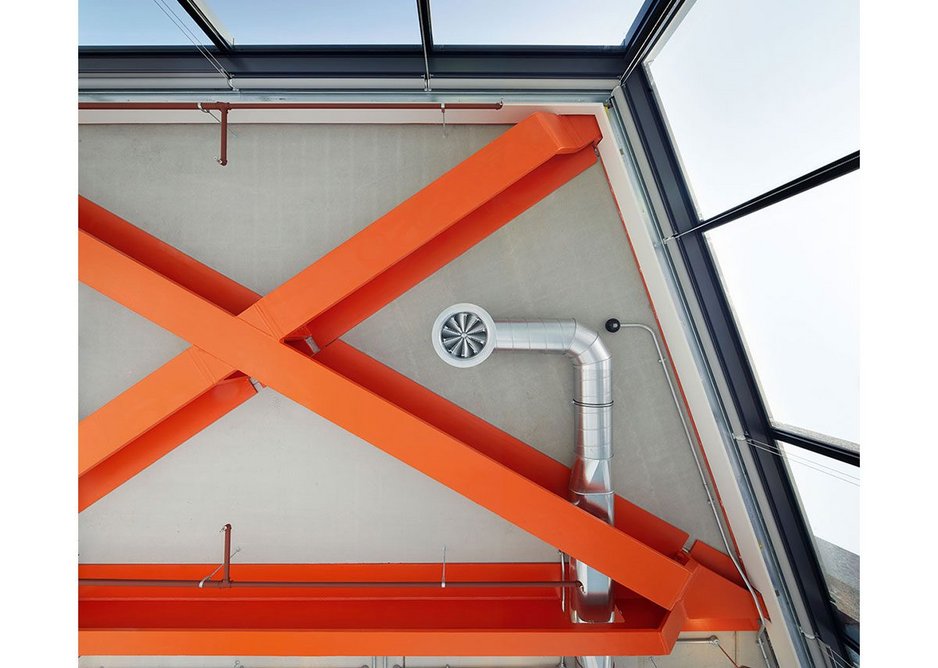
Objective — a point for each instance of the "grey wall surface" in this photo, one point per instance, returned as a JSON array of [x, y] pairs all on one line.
[[289, 195]]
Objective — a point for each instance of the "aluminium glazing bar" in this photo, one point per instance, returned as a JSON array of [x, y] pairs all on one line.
[[796, 537]]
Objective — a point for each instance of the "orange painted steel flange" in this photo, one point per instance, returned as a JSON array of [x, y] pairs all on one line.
[[234, 332], [289, 622]]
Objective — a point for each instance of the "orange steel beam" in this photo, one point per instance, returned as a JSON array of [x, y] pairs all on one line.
[[330, 621], [435, 453], [393, 238], [709, 605], [328, 325], [384, 260], [160, 256], [488, 439], [352, 363], [713, 603], [381, 621], [161, 439], [508, 640]]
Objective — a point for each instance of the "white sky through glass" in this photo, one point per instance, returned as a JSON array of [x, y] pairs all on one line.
[[791, 273], [759, 92], [319, 21], [533, 22], [830, 494], [134, 23]]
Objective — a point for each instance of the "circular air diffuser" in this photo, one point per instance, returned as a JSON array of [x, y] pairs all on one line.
[[464, 335]]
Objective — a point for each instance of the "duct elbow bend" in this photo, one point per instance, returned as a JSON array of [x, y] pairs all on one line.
[[464, 335], [587, 348]]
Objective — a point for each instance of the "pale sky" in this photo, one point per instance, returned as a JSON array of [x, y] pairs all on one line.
[[757, 93], [554, 22]]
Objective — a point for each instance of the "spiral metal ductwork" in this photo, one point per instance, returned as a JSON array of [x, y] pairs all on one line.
[[465, 335]]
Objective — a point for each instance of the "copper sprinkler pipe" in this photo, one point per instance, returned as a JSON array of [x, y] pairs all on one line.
[[221, 106], [226, 578], [259, 584], [224, 107], [226, 581]]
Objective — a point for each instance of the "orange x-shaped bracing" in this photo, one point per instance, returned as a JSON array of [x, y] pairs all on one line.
[[237, 335]]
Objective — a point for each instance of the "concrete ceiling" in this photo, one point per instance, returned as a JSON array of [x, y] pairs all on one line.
[[295, 487]]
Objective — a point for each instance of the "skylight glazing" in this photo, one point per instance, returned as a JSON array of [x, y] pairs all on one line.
[[136, 23], [533, 22], [319, 22], [829, 492], [790, 272], [757, 93]]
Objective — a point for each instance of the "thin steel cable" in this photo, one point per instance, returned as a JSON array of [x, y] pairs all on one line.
[[188, 34], [776, 450], [838, 660], [808, 463], [838, 663], [820, 468], [191, 36]]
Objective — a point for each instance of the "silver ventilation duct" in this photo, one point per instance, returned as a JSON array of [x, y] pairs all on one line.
[[464, 335]]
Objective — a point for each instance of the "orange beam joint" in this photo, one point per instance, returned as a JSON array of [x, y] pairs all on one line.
[[209, 370], [397, 251], [238, 343]]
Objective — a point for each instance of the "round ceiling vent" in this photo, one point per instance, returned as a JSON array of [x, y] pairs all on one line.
[[464, 335]]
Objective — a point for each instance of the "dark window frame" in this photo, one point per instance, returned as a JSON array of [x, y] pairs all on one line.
[[687, 240], [621, 63], [370, 61]]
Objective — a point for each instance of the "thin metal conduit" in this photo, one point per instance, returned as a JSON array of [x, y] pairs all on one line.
[[260, 584], [219, 106], [730, 551]]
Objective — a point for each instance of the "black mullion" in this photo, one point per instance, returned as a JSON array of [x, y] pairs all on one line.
[[602, 63], [828, 172], [652, 19], [718, 320], [815, 445], [205, 25], [426, 25]]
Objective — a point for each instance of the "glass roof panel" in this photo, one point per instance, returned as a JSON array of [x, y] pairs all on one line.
[[532, 22], [314, 22], [791, 274], [136, 23], [829, 492], [759, 92]]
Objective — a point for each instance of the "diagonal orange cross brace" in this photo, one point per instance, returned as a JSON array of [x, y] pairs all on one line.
[[484, 438], [242, 345], [376, 265], [190, 395]]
